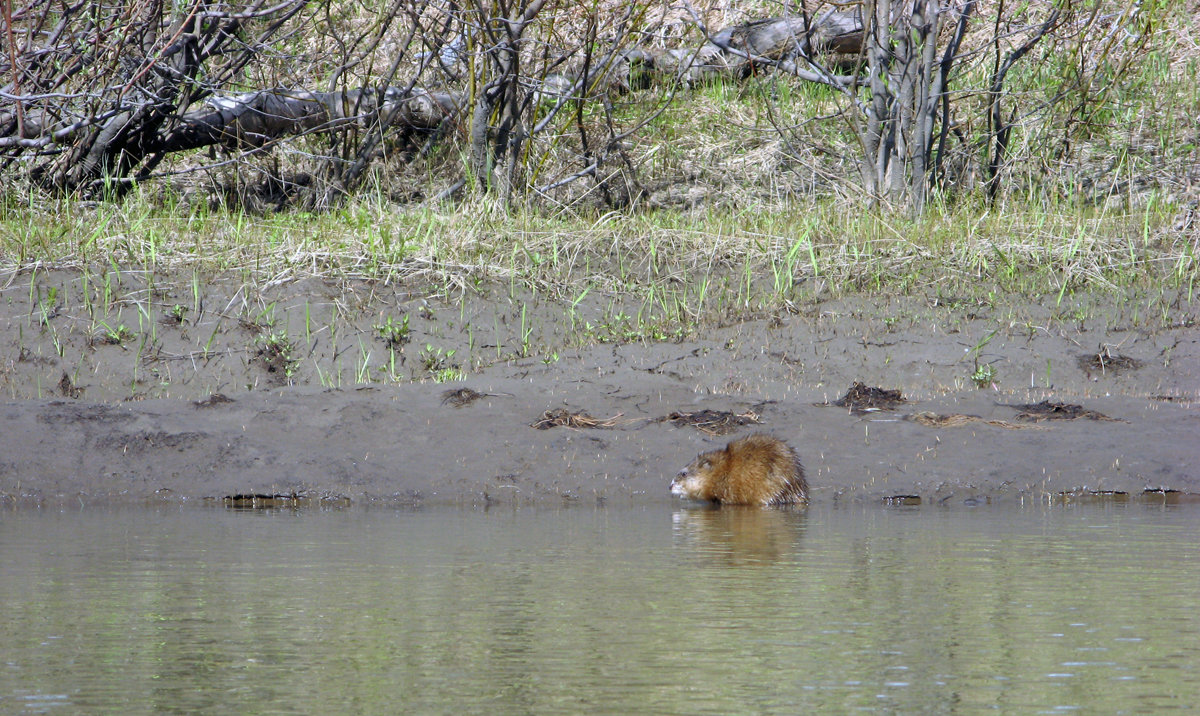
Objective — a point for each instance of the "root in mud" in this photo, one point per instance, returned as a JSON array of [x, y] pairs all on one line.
[[214, 399], [461, 397], [1105, 363], [290, 500]]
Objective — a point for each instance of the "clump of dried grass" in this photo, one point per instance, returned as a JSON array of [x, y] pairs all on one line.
[[935, 420], [1050, 410], [714, 422], [461, 397], [1105, 361], [862, 398], [562, 417]]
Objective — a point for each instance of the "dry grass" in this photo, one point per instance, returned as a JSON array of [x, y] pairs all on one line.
[[954, 420], [562, 417], [714, 422], [862, 398], [1049, 410]]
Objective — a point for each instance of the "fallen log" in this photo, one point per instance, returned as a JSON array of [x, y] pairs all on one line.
[[255, 118], [150, 130], [252, 119]]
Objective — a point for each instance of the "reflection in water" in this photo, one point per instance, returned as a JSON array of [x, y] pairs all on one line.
[[619, 610], [741, 534]]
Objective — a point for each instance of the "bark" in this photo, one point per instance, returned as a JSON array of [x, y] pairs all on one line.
[[256, 118], [998, 129], [909, 96]]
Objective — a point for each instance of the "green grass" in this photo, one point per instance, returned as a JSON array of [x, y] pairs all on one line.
[[278, 353], [678, 264], [392, 332]]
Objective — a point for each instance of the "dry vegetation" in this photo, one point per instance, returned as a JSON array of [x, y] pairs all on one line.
[[724, 194]]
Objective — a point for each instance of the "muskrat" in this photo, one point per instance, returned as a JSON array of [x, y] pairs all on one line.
[[759, 469]]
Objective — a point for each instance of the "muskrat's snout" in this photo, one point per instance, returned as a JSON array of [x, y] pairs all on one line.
[[678, 485]]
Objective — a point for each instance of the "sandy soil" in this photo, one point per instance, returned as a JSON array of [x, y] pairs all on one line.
[[204, 407]]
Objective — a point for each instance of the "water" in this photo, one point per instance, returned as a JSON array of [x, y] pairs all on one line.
[[653, 610]]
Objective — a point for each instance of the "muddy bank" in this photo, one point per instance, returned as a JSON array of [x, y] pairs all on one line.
[[339, 392]]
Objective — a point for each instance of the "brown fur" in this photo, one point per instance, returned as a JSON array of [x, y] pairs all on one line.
[[759, 469]]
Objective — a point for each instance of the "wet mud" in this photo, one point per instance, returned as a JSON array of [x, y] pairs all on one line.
[[314, 393]]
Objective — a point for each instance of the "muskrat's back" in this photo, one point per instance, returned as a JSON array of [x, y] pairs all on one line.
[[759, 469]]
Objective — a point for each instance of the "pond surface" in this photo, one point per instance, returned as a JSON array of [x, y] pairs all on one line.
[[647, 610]]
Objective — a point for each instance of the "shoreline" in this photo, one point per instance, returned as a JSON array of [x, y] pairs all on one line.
[[211, 415]]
